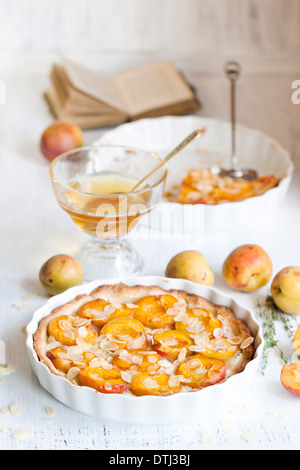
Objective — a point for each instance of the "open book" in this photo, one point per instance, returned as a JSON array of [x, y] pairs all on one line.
[[90, 99]]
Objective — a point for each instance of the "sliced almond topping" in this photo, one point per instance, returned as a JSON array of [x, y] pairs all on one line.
[[126, 376], [247, 342], [72, 373], [218, 332]]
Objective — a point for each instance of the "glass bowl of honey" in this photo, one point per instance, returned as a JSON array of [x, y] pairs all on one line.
[[94, 186]]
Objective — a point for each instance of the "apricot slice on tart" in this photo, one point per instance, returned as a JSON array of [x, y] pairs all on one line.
[[100, 312], [66, 329], [154, 384], [202, 371], [290, 378], [169, 343], [156, 311], [198, 320], [102, 379], [125, 333], [63, 359], [140, 360], [219, 348]]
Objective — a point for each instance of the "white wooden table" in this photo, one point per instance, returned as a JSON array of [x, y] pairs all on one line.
[[33, 228]]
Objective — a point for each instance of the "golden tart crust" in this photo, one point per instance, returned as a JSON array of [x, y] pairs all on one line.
[[188, 344]]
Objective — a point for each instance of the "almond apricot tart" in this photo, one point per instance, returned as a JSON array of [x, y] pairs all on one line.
[[206, 187], [143, 341]]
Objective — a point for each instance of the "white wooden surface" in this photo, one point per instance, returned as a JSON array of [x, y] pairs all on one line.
[[198, 36], [33, 228]]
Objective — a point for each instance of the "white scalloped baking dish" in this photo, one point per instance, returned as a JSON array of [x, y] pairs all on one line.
[[146, 410], [255, 150]]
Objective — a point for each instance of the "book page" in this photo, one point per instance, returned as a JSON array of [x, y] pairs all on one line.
[[152, 87], [94, 84]]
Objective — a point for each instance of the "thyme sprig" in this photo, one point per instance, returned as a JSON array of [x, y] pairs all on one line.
[[270, 314]]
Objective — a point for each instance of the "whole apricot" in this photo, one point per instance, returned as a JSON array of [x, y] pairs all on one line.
[[60, 273], [60, 137], [285, 290], [190, 265], [247, 268]]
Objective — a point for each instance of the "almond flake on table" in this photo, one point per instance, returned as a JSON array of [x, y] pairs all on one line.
[[250, 436], [284, 415], [5, 411], [21, 305], [6, 370], [15, 409], [29, 296], [3, 426], [22, 434], [208, 440], [49, 410]]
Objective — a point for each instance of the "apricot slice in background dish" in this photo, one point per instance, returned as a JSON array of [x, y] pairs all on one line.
[[140, 360], [290, 378], [202, 371], [102, 379], [100, 312], [66, 329], [153, 310], [169, 343], [198, 320], [125, 333], [63, 359], [154, 384]]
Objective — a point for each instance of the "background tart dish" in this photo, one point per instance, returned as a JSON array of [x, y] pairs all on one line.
[[206, 187], [255, 150], [143, 340]]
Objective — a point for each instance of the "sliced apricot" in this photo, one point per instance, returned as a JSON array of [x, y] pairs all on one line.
[[103, 380], [169, 343], [154, 384], [100, 312], [198, 321], [63, 359], [219, 348], [202, 371], [140, 360], [290, 378], [152, 311], [66, 329], [125, 333]]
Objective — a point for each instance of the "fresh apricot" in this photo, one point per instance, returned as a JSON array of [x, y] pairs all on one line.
[[296, 343], [290, 378], [68, 328], [198, 320], [59, 273], [125, 333], [169, 343], [100, 312], [202, 371], [154, 384], [140, 360], [60, 137], [102, 379], [152, 311]]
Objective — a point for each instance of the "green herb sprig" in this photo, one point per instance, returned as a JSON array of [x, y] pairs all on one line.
[[270, 314]]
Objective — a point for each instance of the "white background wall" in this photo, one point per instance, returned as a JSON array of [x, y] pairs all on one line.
[[265, 33]]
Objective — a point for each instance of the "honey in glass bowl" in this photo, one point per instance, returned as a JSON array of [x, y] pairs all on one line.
[[94, 186]]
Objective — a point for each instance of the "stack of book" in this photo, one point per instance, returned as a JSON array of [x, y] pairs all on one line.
[[91, 99]]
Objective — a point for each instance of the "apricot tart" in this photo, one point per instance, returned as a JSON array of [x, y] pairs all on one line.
[[143, 340], [206, 187]]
